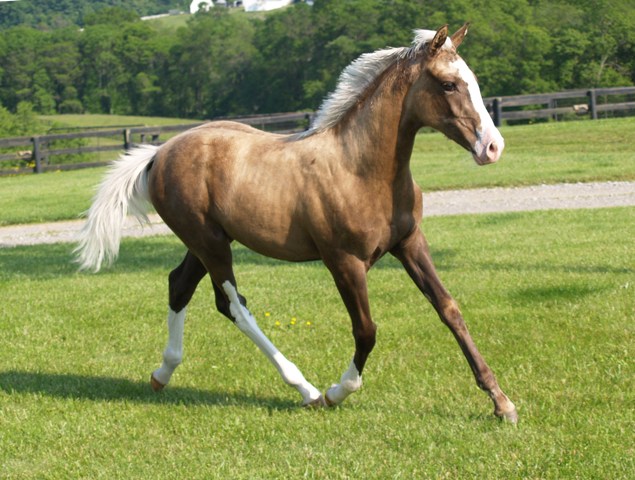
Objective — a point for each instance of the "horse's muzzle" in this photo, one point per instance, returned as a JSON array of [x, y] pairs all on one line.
[[488, 149]]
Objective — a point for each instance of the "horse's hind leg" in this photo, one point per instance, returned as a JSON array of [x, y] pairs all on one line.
[[183, 281], [217, 258], [414, 254]]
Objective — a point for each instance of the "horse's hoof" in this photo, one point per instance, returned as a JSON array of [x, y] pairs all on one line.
[[317, 403], [155, 384], [328, 402], [510, 416]]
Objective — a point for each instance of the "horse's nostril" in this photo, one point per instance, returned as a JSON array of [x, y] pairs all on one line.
[[493, 151]]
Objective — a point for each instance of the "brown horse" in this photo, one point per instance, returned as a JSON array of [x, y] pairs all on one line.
[[341, 192]]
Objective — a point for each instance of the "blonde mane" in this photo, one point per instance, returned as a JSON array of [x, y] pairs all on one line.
[[359, 75]]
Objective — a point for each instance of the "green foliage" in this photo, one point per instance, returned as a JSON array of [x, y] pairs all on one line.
[[23, 122], [51, 14], [209, 59], [227, 62], [548, 298]]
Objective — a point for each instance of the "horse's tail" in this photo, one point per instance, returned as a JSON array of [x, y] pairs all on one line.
[[123, 190]]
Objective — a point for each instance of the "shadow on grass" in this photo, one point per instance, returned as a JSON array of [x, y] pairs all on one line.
[[162, 253], [554, 294], [110, 389]]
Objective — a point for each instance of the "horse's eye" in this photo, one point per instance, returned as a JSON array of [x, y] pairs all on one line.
[[449, 86]]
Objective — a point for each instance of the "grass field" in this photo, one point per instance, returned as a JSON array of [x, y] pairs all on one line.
[[548, 297], [543, 153], [103, 120]]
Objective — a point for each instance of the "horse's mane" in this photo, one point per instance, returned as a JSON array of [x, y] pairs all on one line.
[[359, 75]]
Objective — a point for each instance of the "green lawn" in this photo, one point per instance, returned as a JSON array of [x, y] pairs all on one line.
[[548, 297], [102, 120], [576, 151]]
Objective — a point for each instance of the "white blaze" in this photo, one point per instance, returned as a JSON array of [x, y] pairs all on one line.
[[488, 134]]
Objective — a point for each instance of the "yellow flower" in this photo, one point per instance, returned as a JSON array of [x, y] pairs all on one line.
[[293, 320], [277, 323], [308, 324], [267, 314]]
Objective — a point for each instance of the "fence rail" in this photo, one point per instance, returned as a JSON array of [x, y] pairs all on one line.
[[546, 105], [38, 150]]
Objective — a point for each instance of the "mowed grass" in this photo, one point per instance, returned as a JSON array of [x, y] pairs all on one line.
[[545, 153], [85, 120], [548, 297]]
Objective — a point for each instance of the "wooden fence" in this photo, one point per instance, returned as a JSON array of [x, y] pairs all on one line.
[[34, 153], [583, 102]]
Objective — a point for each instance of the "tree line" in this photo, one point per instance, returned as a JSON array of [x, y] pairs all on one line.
[[224, 63]]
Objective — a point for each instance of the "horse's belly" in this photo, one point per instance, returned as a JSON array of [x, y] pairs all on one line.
[[290, 246]]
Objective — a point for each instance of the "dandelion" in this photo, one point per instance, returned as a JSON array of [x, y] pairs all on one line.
[[267, 314], [293, 320], [308, 324], [277, 324]]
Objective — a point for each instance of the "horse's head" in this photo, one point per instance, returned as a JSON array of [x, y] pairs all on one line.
[[446, 96]]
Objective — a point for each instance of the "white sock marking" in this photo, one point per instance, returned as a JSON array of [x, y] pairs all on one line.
[[246, 323], [173, 353], [350, 382]]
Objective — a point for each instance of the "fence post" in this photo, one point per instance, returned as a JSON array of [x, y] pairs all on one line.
[[497, 106], [37, 154], [126, 139], [553, 103], [592, 104]]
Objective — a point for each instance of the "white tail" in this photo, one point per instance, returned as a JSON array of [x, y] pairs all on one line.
[[123, 190]]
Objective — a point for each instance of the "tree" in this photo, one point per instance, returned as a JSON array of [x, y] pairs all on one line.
[[207, 64], [20, 66], [61, 60]]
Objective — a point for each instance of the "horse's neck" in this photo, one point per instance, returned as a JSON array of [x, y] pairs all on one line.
[[378, 143]]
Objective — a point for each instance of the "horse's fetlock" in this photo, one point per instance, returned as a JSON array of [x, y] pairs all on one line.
[[351, 385], [172, 358]]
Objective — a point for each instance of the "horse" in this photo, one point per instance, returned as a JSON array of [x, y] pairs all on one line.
[[341, 192]]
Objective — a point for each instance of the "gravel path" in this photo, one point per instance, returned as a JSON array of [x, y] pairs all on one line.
[[452, 202]]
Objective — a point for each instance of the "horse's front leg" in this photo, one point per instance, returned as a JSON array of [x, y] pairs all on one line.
[[246, 323], [350, 277], [414, 254]]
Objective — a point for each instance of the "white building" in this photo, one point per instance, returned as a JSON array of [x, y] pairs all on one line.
[[264, 5], [198, 4], [248, 5]]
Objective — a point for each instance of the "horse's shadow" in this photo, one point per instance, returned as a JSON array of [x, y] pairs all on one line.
[[109, 389]]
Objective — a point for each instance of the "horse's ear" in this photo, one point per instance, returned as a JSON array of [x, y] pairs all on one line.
[[459, 35], [438, 41]]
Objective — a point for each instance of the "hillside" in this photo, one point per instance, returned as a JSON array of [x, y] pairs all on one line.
[[52, 14]]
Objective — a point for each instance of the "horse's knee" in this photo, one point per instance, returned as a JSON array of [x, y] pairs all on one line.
[[451, 315]]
